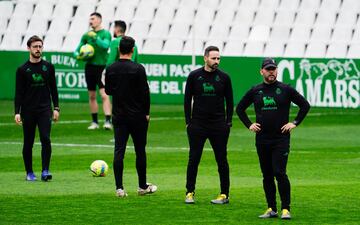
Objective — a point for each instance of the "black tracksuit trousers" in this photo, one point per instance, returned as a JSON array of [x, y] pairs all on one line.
[[218, 139], [137, 128], [273, 160], [29, 122]]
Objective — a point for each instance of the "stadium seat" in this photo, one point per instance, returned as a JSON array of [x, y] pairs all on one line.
[[189, 4], [305, 17], [11, 41], [198, 47], [179, 30], [59, 25], [350, 5], [321, 33], [3, 24], [185, 15], [244, 16], [71, 42], [153, 46], [124, 11], [215, 42], [294, 49], [254, 48], [268, 5], [224, 16], [249, 4], [204, 15], [164, 13], [209, 3], [23, 10], [284, 17], [346, 18], [315, 50], [342, 34], [330, 5], [106, 10], [173, 46], [239, 32], [228, 5], [289, 5], [307, 5], [219, 31], [170, 3], [325, 18], [38, 25], [274, 49], [233, 48], [159, 29], [63, 10], [300, 33], [280, 33], [139, 29], [201, 31], [6, 9], [264, 17], [144, 13], [84, 10], [43, 9], [80, 25], [337, 50], [354, 51], [53, 42], [17, 24], [259, 33]]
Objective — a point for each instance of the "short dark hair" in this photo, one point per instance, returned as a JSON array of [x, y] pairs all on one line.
[[209, 49], [127, 43], [32, 39], [121, 24], [96, 14]]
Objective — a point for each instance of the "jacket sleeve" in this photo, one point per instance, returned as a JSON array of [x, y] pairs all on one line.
[[303, 104], [145, 90], [19, 90], [244, 103], [53, 87], [229, 101], [188, 98]]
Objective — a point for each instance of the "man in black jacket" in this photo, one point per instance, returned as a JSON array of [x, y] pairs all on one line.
[[126, 81], [272, 100], [35, 89], [206, 90]]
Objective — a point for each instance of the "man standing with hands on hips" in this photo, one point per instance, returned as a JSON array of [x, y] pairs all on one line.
[[34, 91], [272, 100], [207, 89]]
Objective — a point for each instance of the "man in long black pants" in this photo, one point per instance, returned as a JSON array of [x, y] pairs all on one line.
[[126, 81], [35, 89], [206, 90], [272, 100]]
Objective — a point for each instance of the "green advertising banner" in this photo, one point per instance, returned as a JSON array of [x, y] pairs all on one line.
[[324, 82]]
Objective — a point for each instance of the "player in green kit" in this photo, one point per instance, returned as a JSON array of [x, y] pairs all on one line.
[[119, 32], [100, 39]]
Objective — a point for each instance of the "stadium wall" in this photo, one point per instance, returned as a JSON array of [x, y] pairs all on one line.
[[324, 82]]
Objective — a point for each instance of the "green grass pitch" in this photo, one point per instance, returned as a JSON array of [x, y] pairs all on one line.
[[323, 168]]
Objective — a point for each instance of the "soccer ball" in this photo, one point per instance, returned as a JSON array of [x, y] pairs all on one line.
[[99, 168], [87, 51]]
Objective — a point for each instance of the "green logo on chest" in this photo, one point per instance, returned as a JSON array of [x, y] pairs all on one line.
[[208, 88], [37, 78], [269, 103]]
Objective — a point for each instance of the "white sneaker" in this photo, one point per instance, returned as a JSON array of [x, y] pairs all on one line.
[[93, 126], [107, 126], [121, 193], [149, 190], [189, 199]]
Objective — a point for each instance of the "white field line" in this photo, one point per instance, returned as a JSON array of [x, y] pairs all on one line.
[[156, 148], [182, 118]]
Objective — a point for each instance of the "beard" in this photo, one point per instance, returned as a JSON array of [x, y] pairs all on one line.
[[214, 66], [36, 55]]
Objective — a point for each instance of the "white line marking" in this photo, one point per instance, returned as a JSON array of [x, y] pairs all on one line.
[[182, 118]]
